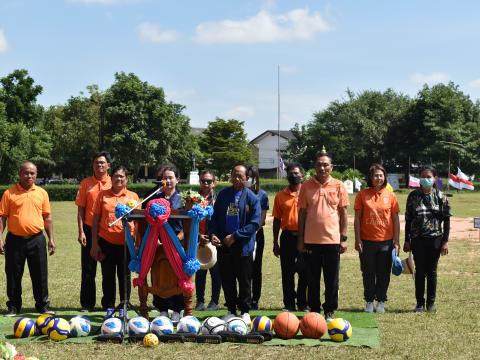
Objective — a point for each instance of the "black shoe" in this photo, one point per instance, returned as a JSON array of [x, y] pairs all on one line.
[[420, 308], [289, 309], [431, 308], [329, 315], [11, 311], [254, 305], [303, 308], [46, 310]]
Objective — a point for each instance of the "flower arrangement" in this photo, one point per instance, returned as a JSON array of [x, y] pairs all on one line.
[[190, 197]]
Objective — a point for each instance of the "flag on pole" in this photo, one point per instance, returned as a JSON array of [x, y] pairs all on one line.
[[282, 167], [413, 182], [460, 181]]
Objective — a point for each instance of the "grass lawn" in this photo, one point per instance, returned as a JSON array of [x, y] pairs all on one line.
[[452, 333]]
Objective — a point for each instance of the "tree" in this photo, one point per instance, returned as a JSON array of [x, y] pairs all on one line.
[[139, 126], [224, 143]]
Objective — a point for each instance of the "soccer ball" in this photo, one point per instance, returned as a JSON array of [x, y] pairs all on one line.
[[24, 327], [150, 340], [161, 325], [236, 325], [188, 324], [262, 324], [111, 326], [138, 326], [339, 330], [43, 323], [59, 329], [212, 325], [80, 326]]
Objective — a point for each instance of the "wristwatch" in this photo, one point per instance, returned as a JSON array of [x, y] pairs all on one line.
[[343, 238]]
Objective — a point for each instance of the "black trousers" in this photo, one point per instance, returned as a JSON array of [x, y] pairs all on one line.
[[257, 267], [291, 263], [236, 268], [376, 265], [326, 258], [426, 253], [201, 280], [88, 289], [175, 303], [112, 265], [34, 251]]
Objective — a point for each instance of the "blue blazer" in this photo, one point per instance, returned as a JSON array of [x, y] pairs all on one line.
[[249, 214]]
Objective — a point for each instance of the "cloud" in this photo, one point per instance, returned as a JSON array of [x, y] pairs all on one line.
[[149, 32], [3, 42], [240, 112], [264, 27], [182, 95], [475, 83], [429, 79], [287, 69], [101, 2]]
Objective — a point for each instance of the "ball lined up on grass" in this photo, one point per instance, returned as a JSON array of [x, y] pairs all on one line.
[[150, 340], [24, 327], [339, 330], [313, 325], [42, 323], [59, 329], [286, 325], [262, 324]]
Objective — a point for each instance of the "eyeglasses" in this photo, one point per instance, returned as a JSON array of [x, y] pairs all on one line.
[[206, 181]]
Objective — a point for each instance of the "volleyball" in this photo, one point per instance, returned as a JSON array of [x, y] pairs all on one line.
[[79, 326], [42, 323], [212, 325], [24, 327], [188, 324], [262, 324], [339, 330], [313, 325], [286, 325], [236, 325], [59, 330], [150, 340], [161, 325], [111, 326], [138, 326]]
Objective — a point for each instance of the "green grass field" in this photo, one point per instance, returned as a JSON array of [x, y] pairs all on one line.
[[452, 333]]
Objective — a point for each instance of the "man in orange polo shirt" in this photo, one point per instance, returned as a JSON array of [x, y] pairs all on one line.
[[86, 196], [285, 217], [322, 232], [25, 208]]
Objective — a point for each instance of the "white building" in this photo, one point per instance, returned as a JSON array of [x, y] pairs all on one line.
[[267, 145]]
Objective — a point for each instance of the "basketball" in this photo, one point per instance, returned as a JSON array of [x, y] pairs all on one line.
[[286, 325], [150, 340], [24, 327], [313, 325], [43, 323], [59, 329], [339, 330], [262, 324]]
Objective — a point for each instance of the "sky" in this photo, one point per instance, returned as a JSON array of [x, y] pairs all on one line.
[[220, 58]]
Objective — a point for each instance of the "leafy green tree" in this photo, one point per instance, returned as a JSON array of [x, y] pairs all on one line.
[[223, 144]]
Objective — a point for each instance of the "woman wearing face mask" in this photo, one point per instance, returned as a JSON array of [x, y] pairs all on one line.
[[253, 182], [427, 227], [377, 230]]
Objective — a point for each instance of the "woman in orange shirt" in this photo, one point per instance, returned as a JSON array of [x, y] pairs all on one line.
[[377, 230], [108, 242]]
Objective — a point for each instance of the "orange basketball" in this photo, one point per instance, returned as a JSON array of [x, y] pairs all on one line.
[[313, 325], [286, 325]]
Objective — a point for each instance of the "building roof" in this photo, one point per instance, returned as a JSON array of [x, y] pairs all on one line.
[[286, 134], [196, 131]]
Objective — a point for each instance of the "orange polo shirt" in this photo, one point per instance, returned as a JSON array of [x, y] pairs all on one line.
[[322, 224], [377, 208], [87, 194], [24, 209], [285, 208], [104, 207]]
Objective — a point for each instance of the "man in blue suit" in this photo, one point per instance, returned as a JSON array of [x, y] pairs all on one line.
[[235, 221]]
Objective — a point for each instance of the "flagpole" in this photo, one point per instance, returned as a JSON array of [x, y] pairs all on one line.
[[278, 122]]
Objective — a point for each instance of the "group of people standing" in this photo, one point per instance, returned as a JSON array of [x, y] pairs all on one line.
[[309, 234]]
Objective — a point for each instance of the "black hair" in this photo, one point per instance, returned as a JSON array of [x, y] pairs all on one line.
[[105, 154], [371, 171], [293, 165], [120, 168], [240, 164], [170, 167], [254, 171], [428, 168], [323, 153], [211, 172]]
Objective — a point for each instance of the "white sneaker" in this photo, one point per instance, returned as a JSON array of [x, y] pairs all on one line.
[[164, 313], [380, 308], [228, 316], [369, 307], [175, 317], [246, 319]]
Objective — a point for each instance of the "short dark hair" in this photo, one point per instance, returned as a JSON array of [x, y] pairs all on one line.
[[105, 154], [321, 153], [256, 175], [371, 171], [293, 165], [240, 164], [120, 168], [428, 168], [207, 171], [170, 167]]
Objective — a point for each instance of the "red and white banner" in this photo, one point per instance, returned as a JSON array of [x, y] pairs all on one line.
[[413, 182], [460, 181]]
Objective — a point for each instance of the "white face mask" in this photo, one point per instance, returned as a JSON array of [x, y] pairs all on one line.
[[249, 183]]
